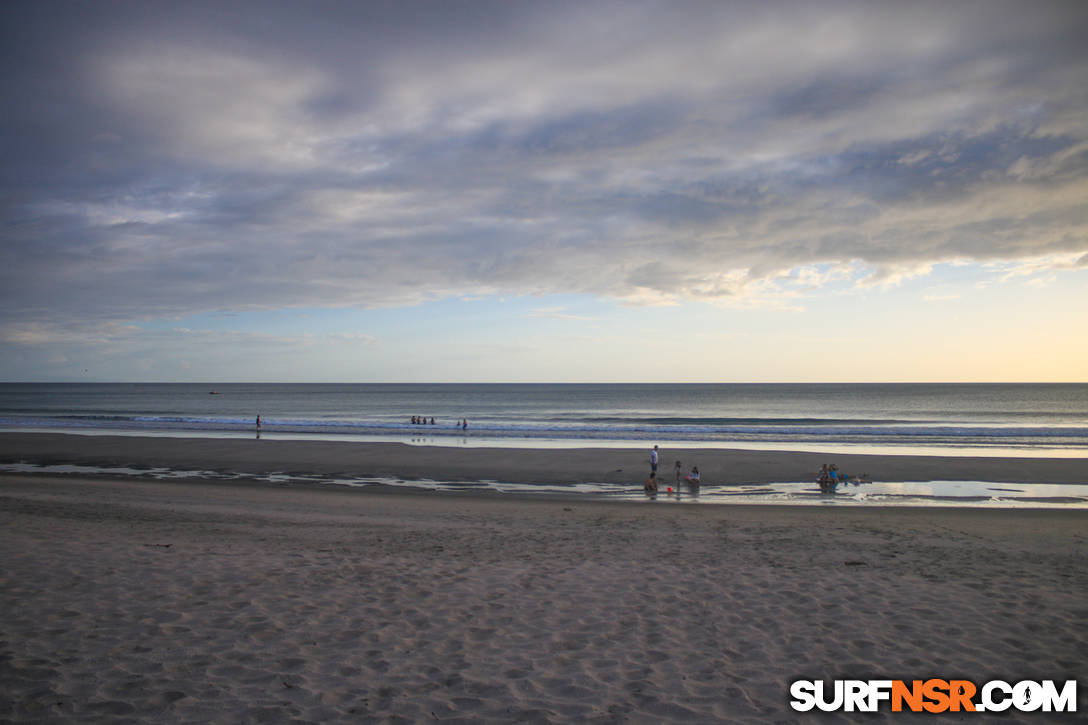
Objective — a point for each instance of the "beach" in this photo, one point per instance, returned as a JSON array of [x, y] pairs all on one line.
[[516, 465], [132, 600]]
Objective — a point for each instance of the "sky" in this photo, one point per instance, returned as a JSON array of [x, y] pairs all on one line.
[[544, 191]]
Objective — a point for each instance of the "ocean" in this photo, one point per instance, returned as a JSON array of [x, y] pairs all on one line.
[[952, 419]]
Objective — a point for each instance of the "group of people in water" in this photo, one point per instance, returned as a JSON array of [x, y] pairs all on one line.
[[422, 420], [829, 477], [692, 479]]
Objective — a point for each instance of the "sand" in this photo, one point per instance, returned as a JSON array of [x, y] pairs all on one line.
[[166, 602], [598, 465], [134, 600]]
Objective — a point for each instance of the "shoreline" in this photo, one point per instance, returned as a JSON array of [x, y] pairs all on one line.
[[628, 466]]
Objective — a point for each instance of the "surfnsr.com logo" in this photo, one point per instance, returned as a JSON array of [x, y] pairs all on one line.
[[934, 695]]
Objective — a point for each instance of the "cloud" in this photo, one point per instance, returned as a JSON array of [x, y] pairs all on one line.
[[223, 109], [76, 333], [557, 313], [363, 155], [1043, 265], [108, 351]]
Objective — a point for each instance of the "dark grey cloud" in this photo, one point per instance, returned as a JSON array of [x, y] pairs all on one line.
[[163, 159]]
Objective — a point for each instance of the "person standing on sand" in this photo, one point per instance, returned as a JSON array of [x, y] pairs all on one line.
[[678, 470], [653, 460], [651, 484]]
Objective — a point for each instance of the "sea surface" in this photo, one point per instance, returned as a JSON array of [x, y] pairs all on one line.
[[1044, 420]]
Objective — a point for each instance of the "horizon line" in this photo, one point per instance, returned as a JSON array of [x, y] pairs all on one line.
[[539, 382]]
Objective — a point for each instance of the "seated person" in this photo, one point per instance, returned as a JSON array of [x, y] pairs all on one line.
[[651, 483], [693, 477]]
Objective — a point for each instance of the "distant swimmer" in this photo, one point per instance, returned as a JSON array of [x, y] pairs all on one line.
[[258, 421]]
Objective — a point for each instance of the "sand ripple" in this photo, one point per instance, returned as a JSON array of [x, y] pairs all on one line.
[[168, 603]]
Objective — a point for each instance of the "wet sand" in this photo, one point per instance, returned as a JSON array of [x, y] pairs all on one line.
[[598, 465]]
